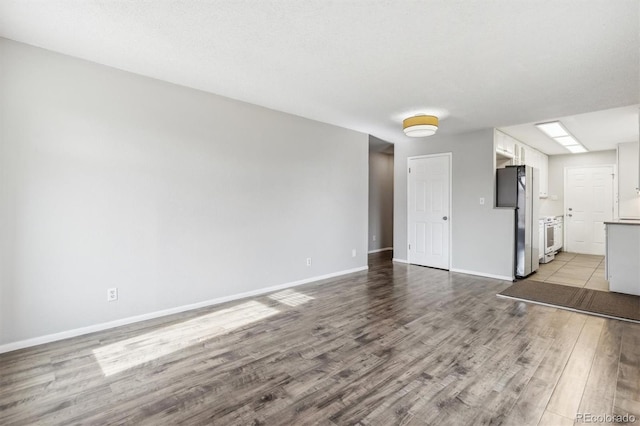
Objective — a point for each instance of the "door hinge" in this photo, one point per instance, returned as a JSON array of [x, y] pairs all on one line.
[[409, 246], [409, 169]]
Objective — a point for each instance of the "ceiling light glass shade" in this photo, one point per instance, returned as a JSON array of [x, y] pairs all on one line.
[[420, 126], [420, 131], [566, 140], [553, 129], [576, 149]]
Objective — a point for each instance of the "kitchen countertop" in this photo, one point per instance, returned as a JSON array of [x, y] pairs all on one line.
[[623, 222]]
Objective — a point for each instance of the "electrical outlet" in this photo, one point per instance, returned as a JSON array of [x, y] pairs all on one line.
[[112, 294], [374, 238], [481, 201], [353, 253], [308, 261]]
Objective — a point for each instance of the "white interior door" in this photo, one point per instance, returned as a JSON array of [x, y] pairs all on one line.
[[428, 210], [588, 201]]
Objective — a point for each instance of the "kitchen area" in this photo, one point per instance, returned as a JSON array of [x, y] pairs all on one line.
[[565, 243]]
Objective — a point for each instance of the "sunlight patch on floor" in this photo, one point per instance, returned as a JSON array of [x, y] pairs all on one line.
[[290, 297], [125, 354]]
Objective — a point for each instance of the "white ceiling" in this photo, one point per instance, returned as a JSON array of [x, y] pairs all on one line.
[[597, 131], [364, 65]]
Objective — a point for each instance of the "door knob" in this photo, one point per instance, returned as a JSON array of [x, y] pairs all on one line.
[[570, 209], [444, 218], [570, 215]]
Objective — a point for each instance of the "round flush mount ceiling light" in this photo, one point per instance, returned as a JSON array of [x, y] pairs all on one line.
[[420, 126]]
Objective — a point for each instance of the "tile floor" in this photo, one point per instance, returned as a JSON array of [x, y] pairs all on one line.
[[577, 270]]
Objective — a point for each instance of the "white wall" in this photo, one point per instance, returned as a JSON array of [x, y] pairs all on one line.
[[380, 200], [482, 236], [554, 204], [628, 197], [174, 196]]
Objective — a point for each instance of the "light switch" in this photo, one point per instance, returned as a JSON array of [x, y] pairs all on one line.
[[481, 201]]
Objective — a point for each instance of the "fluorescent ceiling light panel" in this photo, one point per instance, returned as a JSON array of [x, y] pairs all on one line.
[[566, 140], [553, 129], [576, 149], [556, 131]]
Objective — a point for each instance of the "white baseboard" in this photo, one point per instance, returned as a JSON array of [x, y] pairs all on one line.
[[8, 347], [482, 274], [379, 250], [463, 271]]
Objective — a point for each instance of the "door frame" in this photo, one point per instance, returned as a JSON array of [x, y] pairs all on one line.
[[449, 156], [614, 210]]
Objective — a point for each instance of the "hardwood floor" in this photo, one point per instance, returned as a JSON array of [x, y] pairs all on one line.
[[397, 344]]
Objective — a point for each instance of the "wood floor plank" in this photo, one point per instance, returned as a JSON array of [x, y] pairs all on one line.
[[397, 344], [552, 419], [567, 395], [600, 389], [627, 396], [565, 328]]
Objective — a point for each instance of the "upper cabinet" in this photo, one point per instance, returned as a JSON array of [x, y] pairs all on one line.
[[544, 175], [504, 147], [511, 152], [628, 167]]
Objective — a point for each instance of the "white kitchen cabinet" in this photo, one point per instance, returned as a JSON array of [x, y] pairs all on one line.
[[504, 146], [498, 139], [628, 198], [507, 147], [541, 242], [543, 165], [510, 151], [519, 154], [532, 157], [540, 161], [509, 144], [558, 233], [623, 256]]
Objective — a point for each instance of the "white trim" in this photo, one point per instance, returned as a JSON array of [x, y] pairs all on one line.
[[616, 195], [379, 250], [400, 260], [442, 154], [21, 344], [502, 296], [482, 274]]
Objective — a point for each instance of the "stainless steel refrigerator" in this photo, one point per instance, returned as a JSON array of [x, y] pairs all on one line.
[[517, 187]]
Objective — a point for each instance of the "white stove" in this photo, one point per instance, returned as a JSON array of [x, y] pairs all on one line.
[[550, 237]]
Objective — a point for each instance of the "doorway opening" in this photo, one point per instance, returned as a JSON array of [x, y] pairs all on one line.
[[381, 157]]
